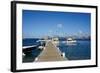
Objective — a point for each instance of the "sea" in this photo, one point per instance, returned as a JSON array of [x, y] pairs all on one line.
[[30, 57], [80, 51]]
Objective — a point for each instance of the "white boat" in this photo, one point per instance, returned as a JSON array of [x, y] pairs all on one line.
[[55, 40], [71, 41]]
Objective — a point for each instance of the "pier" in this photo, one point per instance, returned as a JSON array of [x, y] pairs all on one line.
[[50, 53]]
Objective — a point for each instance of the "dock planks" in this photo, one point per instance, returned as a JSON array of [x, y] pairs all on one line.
[[50, 53]]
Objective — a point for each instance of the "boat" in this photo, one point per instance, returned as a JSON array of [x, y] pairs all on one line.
[[71, 41], [55, 40]]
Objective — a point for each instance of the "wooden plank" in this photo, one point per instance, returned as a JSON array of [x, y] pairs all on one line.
[[50, 53]]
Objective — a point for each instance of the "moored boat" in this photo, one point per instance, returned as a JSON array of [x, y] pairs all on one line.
[[55, 40], [71, 41]]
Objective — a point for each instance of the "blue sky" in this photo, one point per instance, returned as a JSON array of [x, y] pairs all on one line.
[[43, 23]]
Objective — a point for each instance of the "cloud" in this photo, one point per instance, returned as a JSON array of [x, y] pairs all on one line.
[[80, 32], [59, 25], [50, 31]]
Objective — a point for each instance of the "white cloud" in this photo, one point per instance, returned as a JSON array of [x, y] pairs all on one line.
[[59, 25], [50, 31], [80, 32]]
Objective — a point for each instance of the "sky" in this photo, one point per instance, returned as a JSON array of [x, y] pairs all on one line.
[[49, 23]]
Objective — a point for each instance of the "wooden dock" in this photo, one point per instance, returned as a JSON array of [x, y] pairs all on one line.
[[50, 53]]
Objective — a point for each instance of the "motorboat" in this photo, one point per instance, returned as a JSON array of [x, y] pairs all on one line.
[[71, 41]]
